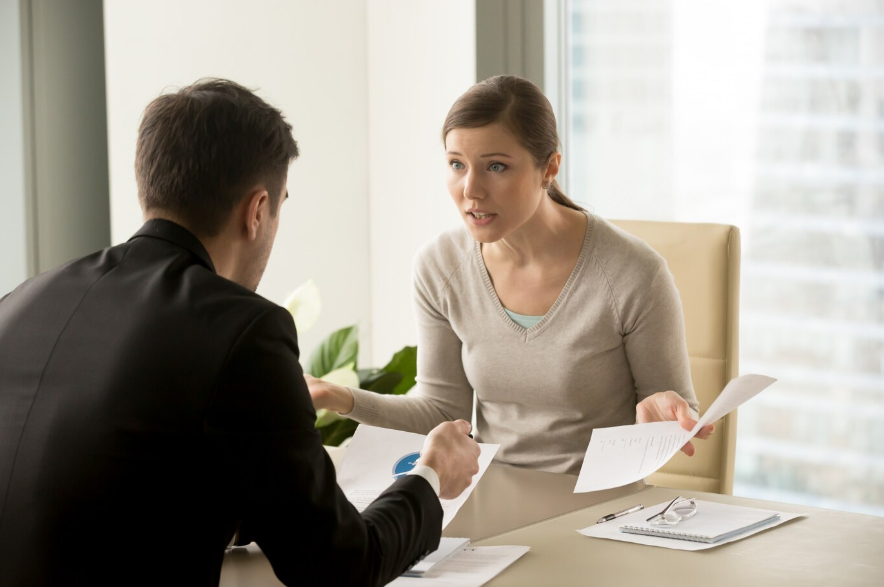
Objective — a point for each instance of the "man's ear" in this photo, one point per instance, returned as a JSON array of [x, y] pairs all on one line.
[[257, 211]]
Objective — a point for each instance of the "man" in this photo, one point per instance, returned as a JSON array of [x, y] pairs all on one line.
[[151, 403]]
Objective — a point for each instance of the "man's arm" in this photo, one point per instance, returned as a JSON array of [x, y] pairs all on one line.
[[283, 482]]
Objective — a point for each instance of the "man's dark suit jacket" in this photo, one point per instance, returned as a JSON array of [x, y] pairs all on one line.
[[147, 407]]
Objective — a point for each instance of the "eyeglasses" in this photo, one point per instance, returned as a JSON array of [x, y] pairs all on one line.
[[678, 509]]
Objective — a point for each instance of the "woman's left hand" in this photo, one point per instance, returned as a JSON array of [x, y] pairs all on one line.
[[666, 406]]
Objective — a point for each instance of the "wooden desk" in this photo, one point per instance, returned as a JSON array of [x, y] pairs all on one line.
[[508, 498], [825, 548], [505, 499], [537, 509]]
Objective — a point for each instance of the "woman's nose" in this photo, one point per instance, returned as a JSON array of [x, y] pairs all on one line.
[[472, 188]]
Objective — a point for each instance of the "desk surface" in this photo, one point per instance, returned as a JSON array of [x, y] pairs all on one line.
[[506, 498], [825, 548], [537, 509]]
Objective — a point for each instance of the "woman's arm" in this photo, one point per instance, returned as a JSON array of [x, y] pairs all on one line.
[[654, 335], [656, 348], [442, 391]]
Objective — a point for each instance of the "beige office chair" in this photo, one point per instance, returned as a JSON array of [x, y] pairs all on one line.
[[705, 261]]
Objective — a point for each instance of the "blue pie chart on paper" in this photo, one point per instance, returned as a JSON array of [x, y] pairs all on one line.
[[405, 464]]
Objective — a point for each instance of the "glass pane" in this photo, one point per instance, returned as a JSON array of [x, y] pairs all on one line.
[[769, 116]]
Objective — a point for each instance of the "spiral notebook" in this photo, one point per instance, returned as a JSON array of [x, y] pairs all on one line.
[[713, 522]]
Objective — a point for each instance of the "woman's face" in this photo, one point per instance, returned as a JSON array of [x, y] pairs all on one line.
[[493, 180]]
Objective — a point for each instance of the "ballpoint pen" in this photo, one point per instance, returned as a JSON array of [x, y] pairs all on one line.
[[610, 517]]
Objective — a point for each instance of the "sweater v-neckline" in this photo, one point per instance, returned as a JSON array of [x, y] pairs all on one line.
[[529, 333]]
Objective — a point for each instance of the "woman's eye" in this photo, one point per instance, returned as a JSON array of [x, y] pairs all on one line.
[[456, 165], [496, 167]]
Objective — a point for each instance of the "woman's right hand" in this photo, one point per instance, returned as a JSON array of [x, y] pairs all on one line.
[[328, 396]]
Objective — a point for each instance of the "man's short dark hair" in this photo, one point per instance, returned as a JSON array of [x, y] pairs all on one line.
[[199, 149]]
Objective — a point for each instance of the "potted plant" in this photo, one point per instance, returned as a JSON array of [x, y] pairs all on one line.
[[335, 360]]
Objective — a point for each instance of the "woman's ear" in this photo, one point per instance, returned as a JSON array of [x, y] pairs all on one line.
[[552, 167]]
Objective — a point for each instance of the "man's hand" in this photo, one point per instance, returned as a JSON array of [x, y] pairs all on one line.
[[454, 456], [666, 406], [329, 396]]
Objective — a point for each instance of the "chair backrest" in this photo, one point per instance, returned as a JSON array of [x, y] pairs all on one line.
[[705, 261]]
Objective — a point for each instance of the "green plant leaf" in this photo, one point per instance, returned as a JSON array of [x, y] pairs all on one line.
[[336, 433], [382, 382], [365, 374], [405, 364], [338, 350]]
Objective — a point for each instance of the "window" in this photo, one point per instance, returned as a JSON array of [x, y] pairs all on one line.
[[769, 116]]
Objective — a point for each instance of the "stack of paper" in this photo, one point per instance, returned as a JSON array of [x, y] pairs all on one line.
[[471, 566], [447, 547]]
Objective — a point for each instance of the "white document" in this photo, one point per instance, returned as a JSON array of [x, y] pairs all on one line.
[[709, 515], [447, 547], [471, 567], [624, 454], [378, 456]]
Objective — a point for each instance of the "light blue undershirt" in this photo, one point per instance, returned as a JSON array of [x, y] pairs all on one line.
[[525, 322]]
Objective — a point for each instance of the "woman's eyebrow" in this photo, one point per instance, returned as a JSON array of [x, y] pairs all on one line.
[[485, 155]]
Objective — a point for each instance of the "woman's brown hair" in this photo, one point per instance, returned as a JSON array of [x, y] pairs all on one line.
[[522, 109]]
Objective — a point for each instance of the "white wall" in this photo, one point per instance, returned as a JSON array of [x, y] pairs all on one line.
[[308, 59], [366, 85], [421, 57], [13, 248]]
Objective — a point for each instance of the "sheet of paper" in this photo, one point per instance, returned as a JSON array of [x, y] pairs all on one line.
[[624, 454], [471, 567], [735, 393], [447, 547], [378, 456], [611, 530]]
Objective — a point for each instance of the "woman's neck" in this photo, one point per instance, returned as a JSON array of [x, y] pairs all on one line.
[[551, 231]]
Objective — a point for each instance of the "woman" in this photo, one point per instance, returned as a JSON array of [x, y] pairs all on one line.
[[554, 321]]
